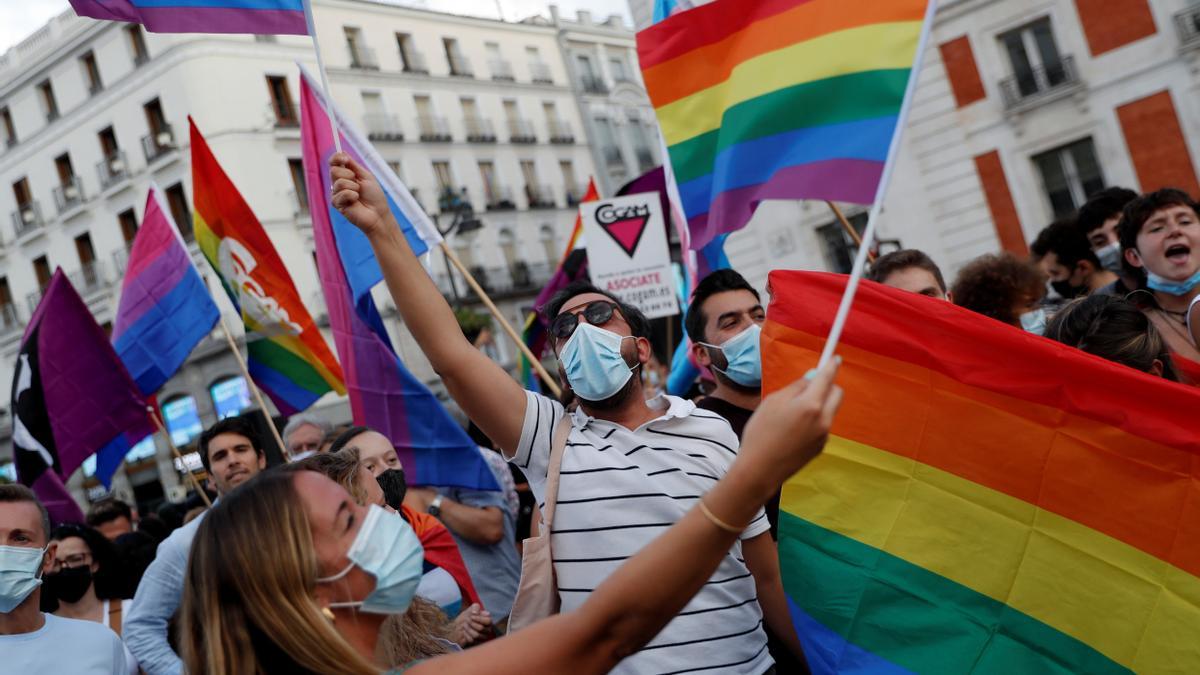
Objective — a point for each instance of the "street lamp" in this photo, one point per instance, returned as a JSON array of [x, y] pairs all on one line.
[[463, 222]]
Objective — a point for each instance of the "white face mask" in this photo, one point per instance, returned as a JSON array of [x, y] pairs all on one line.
[[593, 363], [20, 568], [1110, 257], [387, 549]]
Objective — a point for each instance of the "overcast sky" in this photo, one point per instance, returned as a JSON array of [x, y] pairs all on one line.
[[19, 18]]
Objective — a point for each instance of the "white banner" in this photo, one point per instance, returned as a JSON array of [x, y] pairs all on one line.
[[628, 254]]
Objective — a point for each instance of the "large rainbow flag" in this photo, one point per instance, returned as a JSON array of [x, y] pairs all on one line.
[[286, 353], [779, 99], [283, 17], [989, 500]]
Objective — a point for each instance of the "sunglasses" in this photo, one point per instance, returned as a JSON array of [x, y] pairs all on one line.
[[597, 314]]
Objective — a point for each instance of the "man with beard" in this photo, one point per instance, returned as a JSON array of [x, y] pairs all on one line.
[[631, 468]]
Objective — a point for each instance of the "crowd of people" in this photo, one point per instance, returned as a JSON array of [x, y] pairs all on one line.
[[333, 563]]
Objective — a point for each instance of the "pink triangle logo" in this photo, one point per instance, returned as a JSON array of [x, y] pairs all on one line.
[[627, 233]]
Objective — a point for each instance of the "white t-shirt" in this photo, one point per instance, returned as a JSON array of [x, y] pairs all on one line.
[[64, 646], [620, 489]]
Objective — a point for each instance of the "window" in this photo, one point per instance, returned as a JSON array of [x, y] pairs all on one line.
[[66, 173], [641, 146], [569, 184], [129, 225], [616, 66], [445, 179], [394, 165], [69, 192], [546, 234], [142, 450], [1036, 64], [491, 191], [839, 248], [411, 60], [8, 311], [281, 101], [108, 142], [177, 201], [608, 142], [49, 104], [21, 192], [1069, 174], [299, 187], [459, 66], [183, 419], [137, 44], [161, 139], [87, 261], [10, 132], [539, 71], [360, 55], [42, 272], [591, 81], [230, 397], [91, 73], [501, 67]]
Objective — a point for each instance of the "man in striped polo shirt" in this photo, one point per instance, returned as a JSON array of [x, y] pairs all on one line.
[[632, 467]]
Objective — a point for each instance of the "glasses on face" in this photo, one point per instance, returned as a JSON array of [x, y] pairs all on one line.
[[596, 313], [76, 560]]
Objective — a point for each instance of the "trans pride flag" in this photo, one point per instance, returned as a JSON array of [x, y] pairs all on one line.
[[383, 394], [165, 307], [286, 353], [779, 99], [264, 17], [989, 500]]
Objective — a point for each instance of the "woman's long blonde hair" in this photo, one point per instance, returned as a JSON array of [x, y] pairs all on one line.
[[249, 603]]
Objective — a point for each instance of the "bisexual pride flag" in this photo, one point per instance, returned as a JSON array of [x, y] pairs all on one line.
[[383, 394], [989, 501], [263, 17]]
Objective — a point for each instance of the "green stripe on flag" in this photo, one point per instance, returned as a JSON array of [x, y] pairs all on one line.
[[917, 619], [846, 98], [300, 372]]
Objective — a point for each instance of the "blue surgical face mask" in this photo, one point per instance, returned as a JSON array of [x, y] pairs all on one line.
[[1034, 321], [593, 364], [19, 574], [1157, 283], [743, 362], [387, 549], [1110, 257]]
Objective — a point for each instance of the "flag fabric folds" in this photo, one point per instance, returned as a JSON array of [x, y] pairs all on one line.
[[971, 514], [778, 99], [433, 448], [71, 398], [286, 354], [165, 307], [262, 17]]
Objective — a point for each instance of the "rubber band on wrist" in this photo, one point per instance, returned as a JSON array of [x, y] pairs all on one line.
[[717, 521]]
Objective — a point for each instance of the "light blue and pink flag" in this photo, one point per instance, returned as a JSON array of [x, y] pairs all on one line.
[[165, 307], [261, 17], [433, 448]]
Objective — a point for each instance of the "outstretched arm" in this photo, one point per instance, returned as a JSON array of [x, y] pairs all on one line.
[[491, 398], [644, 594]]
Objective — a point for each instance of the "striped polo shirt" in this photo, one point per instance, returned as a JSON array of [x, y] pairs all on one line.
[[618, 490]]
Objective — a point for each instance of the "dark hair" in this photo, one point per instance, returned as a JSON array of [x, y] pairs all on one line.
[[1113, 329], [102, 555], [1101, 206], [991, 284], [132, 554], [229, 425], [15, 492], [720, 281], [343, 439], [1138, 211], [394, 486], [903, 259], [107, 510], [1067, 242], [638, 325]]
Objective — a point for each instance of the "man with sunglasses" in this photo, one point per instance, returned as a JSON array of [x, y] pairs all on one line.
[[632, 467]]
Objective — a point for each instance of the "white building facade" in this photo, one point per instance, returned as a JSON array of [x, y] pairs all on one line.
[[477, 116]]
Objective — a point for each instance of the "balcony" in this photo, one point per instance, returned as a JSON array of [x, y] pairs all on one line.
[[645, 159], [121, 258], [500, 199], [286, 116], [27, 219], [11, 141], [413, 62], [95, 88], [453, 199], [593, 84], [479, 130], [34, 298], [612, 156], [362, 58], [90, 278], [69, 196], [1187, 23], [158, 144], [383, 127], [561, 133], [574, 197], [460, 66], [1040, 85], [112, 170], [434, 129], [539, 73], [502, 70], [540, 197], [521, 131], [10, 319], [502, 283]]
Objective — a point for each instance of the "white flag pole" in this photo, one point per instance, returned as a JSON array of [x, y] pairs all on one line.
[[868, 238], [312, 31]]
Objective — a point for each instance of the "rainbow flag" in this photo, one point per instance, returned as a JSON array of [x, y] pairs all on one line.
[[263, 17], [286, 353], [989, 500], [779, 99]]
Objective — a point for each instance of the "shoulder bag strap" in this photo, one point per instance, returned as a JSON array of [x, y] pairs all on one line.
[[557, 448]]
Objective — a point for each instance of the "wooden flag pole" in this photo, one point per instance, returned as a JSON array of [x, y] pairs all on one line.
[[551, 383], [262, 405], [849, 229], [175, 451]]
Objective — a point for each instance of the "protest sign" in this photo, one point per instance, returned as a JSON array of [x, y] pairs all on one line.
[[628, 254]]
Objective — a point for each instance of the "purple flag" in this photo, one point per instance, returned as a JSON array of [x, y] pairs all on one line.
[[71, 398]]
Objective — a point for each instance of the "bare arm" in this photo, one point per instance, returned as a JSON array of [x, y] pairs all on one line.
[[645, 593], [491, 398], [762, 559], [482, 525]]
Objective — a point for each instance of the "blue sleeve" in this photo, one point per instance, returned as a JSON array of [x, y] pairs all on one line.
[[480, 498], [144, 628]]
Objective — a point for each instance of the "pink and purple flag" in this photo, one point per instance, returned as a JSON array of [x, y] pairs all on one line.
[[260, 17], [165, 307], [71, 398], [433, 448]]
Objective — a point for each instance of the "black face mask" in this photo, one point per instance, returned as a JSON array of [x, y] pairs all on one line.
[[1066, 290], [394, 487], [70, 583]]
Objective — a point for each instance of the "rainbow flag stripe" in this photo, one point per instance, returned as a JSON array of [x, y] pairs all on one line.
[[282, 17], [286, 354], [778, 99], [989, 500]]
